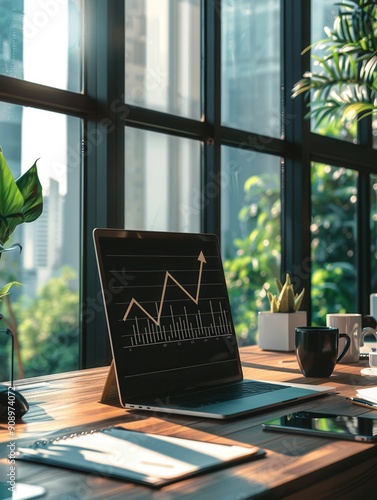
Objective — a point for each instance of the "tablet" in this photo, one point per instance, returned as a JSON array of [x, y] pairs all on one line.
[[360, 428]]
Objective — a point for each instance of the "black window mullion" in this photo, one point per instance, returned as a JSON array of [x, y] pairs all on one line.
[[295, 182], [103, 202], [24, 93], [93, 348], [113, 127], [342, 153], [157, 121], [211, 46]]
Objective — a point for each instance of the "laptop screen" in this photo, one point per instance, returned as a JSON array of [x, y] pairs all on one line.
[[167, 311]]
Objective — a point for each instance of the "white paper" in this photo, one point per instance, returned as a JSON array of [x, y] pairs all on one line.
[[369, 394]]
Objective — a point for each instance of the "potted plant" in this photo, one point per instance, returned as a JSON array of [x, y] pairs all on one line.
[[20, 201], [276, 327]]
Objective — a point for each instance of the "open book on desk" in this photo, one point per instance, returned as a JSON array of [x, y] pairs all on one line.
[[151, 459]]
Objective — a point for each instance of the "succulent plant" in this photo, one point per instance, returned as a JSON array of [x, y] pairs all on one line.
[[286, 300]]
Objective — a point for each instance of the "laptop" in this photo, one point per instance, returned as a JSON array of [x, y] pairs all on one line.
[[171, 331]]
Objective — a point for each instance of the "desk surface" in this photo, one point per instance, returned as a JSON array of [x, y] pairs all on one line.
[[295, 466]]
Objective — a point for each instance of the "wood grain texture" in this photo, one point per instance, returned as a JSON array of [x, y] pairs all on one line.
[[295, 466]]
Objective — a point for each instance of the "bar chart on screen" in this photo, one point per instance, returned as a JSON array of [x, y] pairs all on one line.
[[182, 328]]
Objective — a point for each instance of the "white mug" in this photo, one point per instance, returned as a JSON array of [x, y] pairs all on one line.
[[373, 305], [373, 358], [351, 324]]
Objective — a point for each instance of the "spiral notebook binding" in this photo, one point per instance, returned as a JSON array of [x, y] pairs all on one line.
[[40, 443]]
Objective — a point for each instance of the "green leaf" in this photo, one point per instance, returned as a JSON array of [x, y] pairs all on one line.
[[279, 285], [31, 189], [5, 289], [298, 299], [283, 300], [273, 302], [11, 201], [20, 200]]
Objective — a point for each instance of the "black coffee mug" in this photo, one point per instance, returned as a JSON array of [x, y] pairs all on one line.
[[317, 349]]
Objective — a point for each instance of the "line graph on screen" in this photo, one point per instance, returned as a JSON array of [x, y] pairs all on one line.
[[168, 276], [195, 318]]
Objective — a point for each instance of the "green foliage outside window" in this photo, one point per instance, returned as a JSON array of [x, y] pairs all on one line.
[[334, 197], [256, 258], [48, 329]]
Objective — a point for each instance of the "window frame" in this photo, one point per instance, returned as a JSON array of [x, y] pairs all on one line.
[[105, 115]]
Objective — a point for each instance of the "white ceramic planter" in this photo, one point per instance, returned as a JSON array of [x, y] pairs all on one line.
[[276, 331]]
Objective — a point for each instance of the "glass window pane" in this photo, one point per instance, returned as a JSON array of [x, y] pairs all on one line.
[[46, 306], [163, 56], [162, 182], [333, 241], [250, 234], [324, 13], [250, 66], [40, 41], [374, 133]]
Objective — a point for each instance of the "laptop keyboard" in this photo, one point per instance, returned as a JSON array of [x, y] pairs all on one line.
[[226, 393]]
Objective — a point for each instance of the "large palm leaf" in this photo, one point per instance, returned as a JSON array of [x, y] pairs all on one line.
[[345, 83]]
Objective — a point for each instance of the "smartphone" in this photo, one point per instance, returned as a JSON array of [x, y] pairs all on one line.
[[359, 428]]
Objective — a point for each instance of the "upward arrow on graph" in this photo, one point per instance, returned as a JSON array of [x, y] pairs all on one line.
[[195, 299]]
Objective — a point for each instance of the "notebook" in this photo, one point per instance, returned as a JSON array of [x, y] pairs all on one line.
[[139, 457], [171, 331]]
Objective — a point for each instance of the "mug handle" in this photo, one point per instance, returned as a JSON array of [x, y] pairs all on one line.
[[346, 346], [364, 332]]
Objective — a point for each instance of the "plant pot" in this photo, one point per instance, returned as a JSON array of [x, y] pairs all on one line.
[[276, 331]]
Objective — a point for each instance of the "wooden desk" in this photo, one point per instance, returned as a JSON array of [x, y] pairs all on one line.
[[295, 466]]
